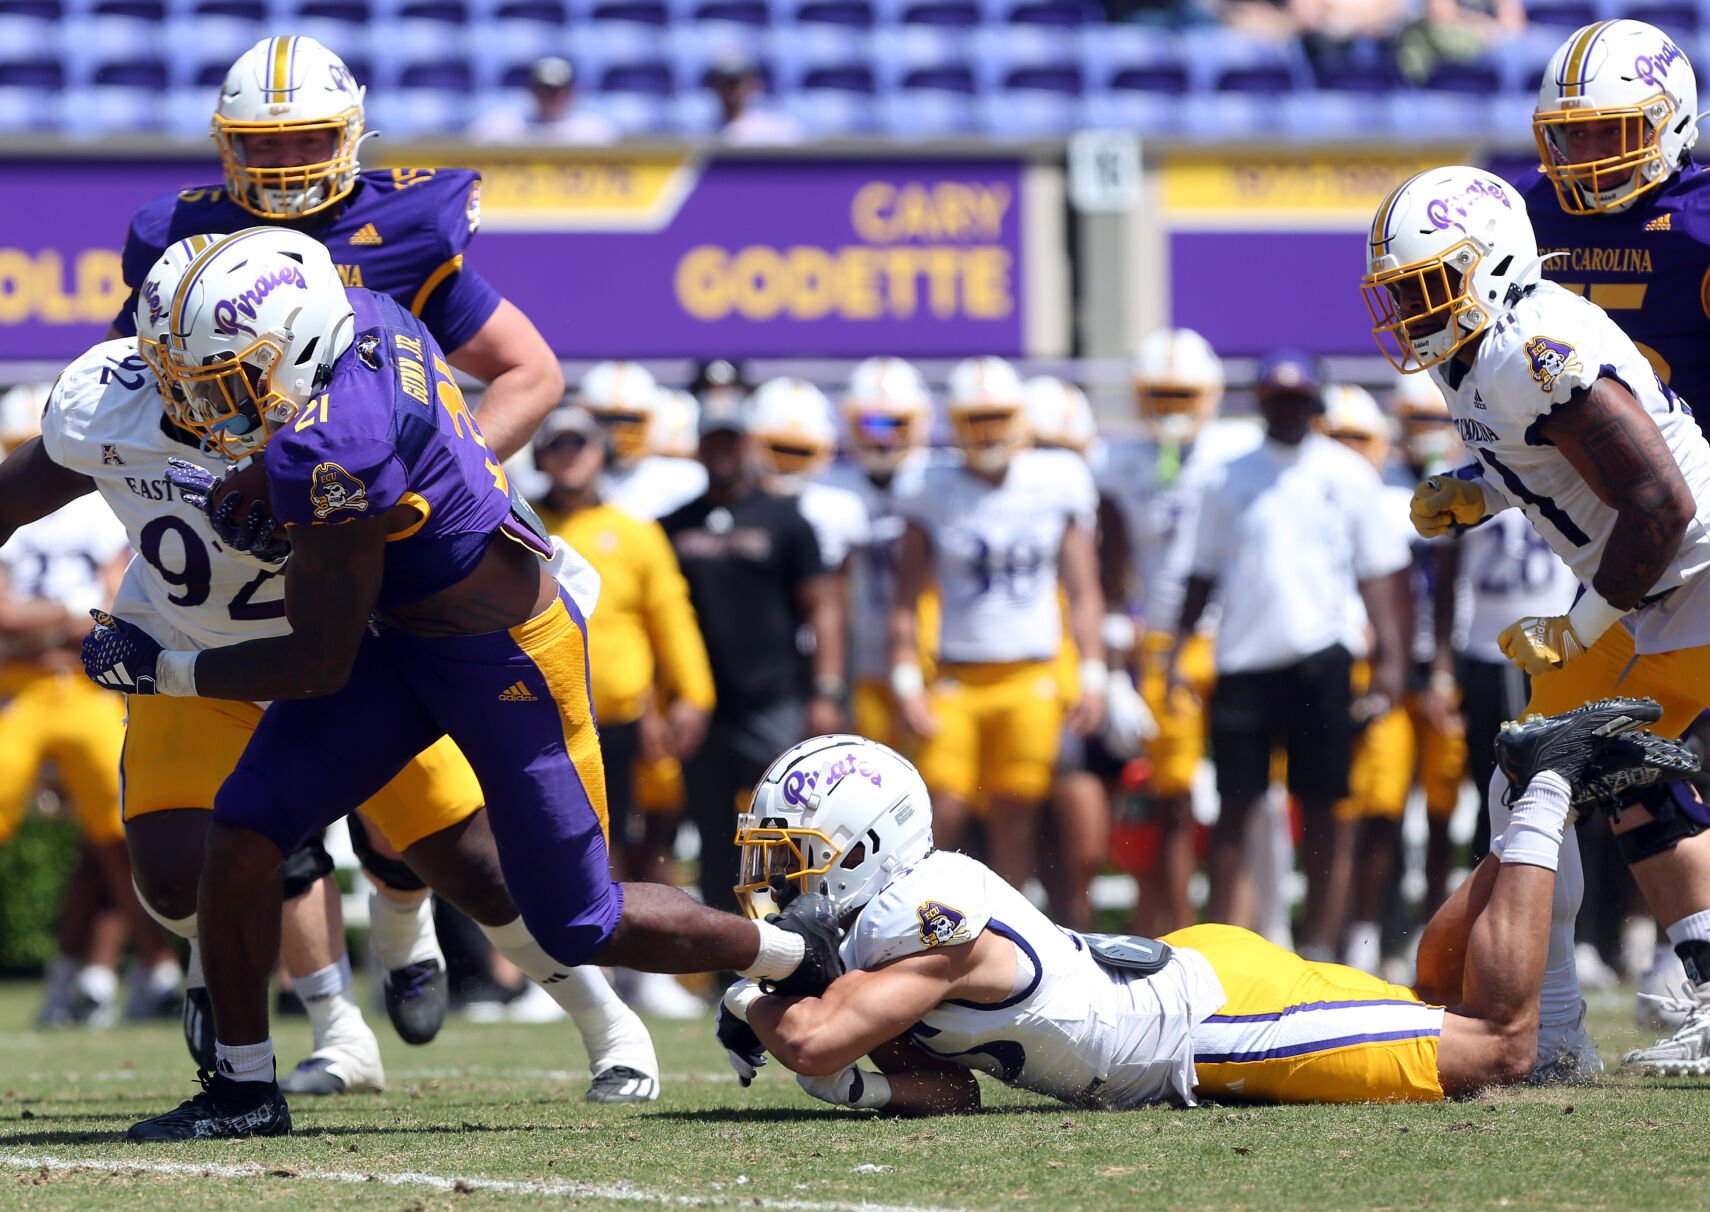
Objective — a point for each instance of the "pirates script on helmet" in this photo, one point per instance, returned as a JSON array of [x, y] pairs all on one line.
[[227, 311], [1449, 212]]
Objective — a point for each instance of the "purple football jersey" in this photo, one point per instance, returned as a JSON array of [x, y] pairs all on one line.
[[401, 232], [1648, 267], [392, 429]]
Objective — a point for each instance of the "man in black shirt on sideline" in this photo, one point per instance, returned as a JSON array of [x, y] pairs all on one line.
[[755, 577]]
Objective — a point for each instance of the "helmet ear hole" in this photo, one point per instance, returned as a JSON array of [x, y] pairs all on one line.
[[856, 856]]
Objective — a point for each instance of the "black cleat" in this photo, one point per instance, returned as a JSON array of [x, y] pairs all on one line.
[[225, 1110], [1627, 765], [416, 998], [1569, 742], [199, 1026], [811, 916]]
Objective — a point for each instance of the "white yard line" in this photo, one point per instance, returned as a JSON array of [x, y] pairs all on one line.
[[727, 1193]]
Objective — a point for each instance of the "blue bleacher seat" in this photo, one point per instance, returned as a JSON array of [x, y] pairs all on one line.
[[349, 12], [1563, 15], [632, 113], [1480, 77], [29, 109], [1139, 112], [857, 14], [925, 113], [446, 75], [29, 36], [693, 49], [188, 111], [957, 14], [1000, 51], [1678, 17], [1523, 58], [648, 79], [418, 113], [643, 12], [99, 110], [40, 74], [904, 49], [694, 114], [834, 112], [200, 41], [740, 12], [1350, 113], [1060, 14], [41, 10], [242, 10], [1223, 61], [798, 49], [1028, 114], [510, 42]]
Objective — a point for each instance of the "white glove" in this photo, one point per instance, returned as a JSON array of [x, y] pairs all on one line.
[[1128, 722], [851, 1088]]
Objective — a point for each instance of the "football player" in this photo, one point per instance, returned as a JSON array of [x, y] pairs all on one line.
[[1153, 478], [290, 127], [52, 571], [887, 412], [419, 604], [952, 972], [1568, 422], [624, 398], [104, 432], [998, 532]]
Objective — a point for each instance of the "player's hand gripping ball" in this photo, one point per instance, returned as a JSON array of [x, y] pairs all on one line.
[[235, 505]]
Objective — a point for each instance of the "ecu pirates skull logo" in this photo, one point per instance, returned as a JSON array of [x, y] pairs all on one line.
[[1550, 360], [940, 924], [333, 488]]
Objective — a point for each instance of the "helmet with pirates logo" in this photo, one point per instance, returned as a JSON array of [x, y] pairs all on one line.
[[1059, 414], [791, 424], [888, 411], [988, 412], [1178, 383], [251, 332], [622, 397], [838, 815], [289, 95], [1450, 249], [1353, 418], [154, 303], [1611, 77]]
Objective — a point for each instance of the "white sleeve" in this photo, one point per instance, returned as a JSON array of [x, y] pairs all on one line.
[[916, 914], [1380, 545], [1543, 355]]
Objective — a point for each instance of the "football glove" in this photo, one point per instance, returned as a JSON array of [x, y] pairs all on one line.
[[1442, 502], [1538, 645], [1128, 722], [120, 655], [811, 916], [742, 1048], [241, 525], [851, 1088]]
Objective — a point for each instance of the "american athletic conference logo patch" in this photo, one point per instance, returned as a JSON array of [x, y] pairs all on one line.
[[333, 488], [940, 924], [1550, 360]]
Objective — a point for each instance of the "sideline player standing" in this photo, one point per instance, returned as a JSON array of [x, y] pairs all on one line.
[[398, 511], [1568, 422]]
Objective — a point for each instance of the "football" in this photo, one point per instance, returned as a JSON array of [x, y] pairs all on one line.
[[248, 480]]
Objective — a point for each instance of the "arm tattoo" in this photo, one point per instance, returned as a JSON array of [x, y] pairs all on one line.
[[1627, 462]]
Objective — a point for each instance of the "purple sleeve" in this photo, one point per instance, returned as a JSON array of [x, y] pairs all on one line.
[[319, 483]]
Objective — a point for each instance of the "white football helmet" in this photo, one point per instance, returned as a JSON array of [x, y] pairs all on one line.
[[1450, 249], [791, 423], [622, 395], [280, 89], [988, 412], [839, 815], [1178, 383], [252, 331], [1633, 77], [1428, 438], [1059, 414], [154, 306], [888, 411], [675, 430], [1353, 418]]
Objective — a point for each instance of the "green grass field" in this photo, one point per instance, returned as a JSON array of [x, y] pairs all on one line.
[[492, 1115]]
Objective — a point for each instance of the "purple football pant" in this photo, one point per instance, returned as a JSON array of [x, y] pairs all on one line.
[[515, 702]]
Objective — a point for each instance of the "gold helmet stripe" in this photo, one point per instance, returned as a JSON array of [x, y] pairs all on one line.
[[1380, 234], [282, 53], [199, 264], [1572, 78]]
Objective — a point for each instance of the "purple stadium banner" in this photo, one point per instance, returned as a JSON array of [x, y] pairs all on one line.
[[651, 257]]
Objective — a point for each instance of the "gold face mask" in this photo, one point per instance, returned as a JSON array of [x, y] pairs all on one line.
[[1425, 299], [228, 403], [1600, 159], [298, 190]]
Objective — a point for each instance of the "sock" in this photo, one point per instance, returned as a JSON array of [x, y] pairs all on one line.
[[1691, 939], [97, 982], [611, 1031], [193, 978], [1365, 946], [245, 1062], [1545, 801], [780, 954], [327, 998], [403, 934], [164, 976]]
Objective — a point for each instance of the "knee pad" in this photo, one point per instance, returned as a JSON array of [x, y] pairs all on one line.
[[183, 927], [1677, 813], [394, 873], [304, 867]]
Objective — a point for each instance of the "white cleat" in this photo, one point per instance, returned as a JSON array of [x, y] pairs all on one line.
[[622, 1084], [343, 1066], [1657, 1007], [1686, 1053], [626, 1070], [1566, 1055], [663, 996]]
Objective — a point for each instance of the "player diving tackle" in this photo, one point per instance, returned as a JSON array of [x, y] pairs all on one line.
[[421, 604]]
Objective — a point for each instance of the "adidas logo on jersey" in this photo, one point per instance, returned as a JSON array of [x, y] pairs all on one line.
[[517, 694], [1662, 222], [366, 235]]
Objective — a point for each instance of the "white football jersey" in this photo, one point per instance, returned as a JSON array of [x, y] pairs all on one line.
[[1510, 573], [1069, 1028], [838, 517], [63, 556], [655, 486], [1552, 343], [1157, 499], [995, 548], [873, 572], [104, 420]]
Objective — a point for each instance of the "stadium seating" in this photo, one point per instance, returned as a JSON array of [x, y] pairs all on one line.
[[910, 68]]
